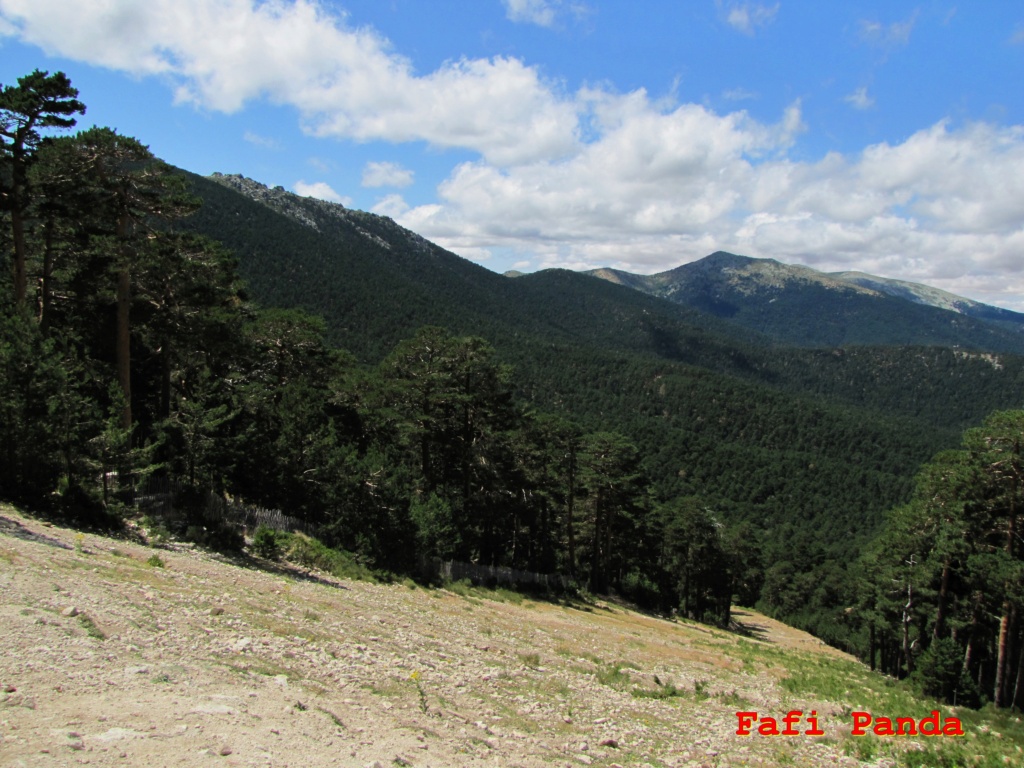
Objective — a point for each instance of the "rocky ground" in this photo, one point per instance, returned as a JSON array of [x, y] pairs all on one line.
[[115, 653]]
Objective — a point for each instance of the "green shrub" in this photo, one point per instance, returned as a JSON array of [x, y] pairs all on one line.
[[220, 536], [265, 543], [313, 553]]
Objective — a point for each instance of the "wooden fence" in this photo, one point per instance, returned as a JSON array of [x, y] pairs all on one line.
[[158, 497], [494, 575]]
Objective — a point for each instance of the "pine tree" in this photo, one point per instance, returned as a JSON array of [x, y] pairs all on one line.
[[39, 101]]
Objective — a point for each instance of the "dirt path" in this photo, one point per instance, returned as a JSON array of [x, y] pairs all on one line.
[[109, 660]]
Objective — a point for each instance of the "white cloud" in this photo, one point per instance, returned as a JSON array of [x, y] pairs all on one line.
[[345, 82], [544, 13], [391, 205], [320, 190], [537, 12], [860, 99], [747, 17], [657, 189], [386, 175]]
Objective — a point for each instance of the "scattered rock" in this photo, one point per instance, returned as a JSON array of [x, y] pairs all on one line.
[[69, 611], [613, 743]]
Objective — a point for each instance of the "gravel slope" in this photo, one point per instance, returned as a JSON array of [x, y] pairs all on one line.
[[107, 660]]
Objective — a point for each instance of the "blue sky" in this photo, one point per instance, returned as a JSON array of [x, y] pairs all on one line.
[[886, 137]]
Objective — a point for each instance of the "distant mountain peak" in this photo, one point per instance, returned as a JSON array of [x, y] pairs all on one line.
[[316, 213], [799, 304]]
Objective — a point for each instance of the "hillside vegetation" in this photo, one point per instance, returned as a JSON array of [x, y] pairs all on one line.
[[119, 653]]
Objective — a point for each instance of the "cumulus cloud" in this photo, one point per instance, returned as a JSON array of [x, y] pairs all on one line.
[[860, 99], [386, 175], [320, 190], [747, 17], [346, 82], [661, 188]]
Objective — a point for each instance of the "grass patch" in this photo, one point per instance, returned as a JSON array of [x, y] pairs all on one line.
[[733, 699], [90, 627], [154, 561], [531, 660], [661, 692], [334, 718], [613, 675]]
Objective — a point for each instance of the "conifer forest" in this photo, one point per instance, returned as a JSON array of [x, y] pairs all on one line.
[[409, 405]]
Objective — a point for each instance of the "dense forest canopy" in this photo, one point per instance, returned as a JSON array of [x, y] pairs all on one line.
[[552, 423]]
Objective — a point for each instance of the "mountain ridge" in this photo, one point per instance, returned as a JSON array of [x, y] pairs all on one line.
[[796, 304]]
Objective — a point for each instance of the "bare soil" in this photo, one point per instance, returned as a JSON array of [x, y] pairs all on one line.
[[109, 658]]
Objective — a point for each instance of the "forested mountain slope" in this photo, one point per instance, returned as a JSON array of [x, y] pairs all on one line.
[[557, 423], [814, 441]]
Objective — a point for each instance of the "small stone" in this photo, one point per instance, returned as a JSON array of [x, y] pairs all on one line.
[[216, 610], [224, 751], [69, 611], [614, 744]]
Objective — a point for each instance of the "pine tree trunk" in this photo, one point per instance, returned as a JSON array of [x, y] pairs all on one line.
[[907, 619], [1017, 701], [570, 512], [18, 237], [595, 547], [124, 348], [940, 611], [999, 694], [46, 299]]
